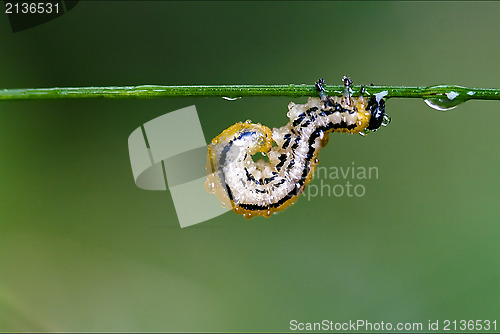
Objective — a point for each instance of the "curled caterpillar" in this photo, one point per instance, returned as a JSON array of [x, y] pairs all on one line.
[[261, 188]]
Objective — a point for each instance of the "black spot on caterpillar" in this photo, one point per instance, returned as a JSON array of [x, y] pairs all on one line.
[[261, 188]]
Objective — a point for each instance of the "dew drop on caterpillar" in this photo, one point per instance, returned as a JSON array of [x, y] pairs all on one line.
[[264, 187]]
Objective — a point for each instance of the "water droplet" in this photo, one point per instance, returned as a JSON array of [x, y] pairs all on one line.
[[386, 120], [209, 187], [231, 98], [364, 132], [443, 103], [471, 93], [248, 121]]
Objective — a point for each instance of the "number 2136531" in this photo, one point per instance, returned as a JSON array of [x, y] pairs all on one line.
[[470, 325], [31, 8]]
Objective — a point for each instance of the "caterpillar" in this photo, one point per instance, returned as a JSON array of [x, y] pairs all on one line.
[[264, 187]]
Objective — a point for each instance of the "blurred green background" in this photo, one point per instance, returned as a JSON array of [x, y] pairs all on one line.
[[83, 249]]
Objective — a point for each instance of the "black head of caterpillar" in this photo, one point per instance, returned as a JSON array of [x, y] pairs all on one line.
[[377, 113]]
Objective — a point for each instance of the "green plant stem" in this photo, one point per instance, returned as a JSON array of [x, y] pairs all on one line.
[[232, 91]]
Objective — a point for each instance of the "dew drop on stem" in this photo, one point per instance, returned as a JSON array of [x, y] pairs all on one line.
[[443, 104], [445, 101]]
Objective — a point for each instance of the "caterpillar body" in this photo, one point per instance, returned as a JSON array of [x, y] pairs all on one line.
[[264, 187]]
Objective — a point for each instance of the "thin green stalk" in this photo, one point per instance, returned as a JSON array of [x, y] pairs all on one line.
[[291, 90]]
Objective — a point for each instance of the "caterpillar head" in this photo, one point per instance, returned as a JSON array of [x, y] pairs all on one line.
[[378, 117]]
